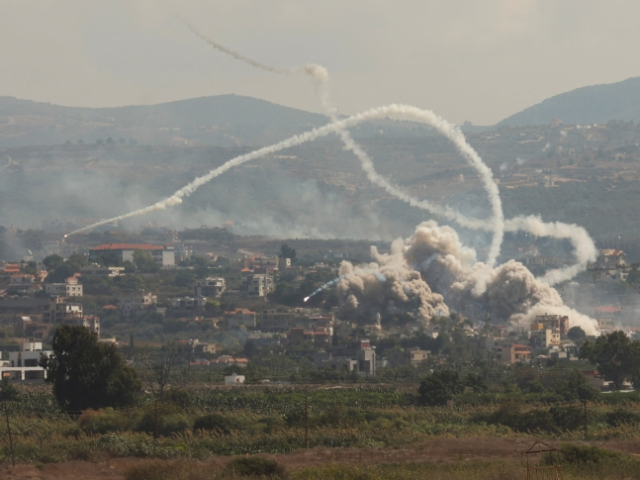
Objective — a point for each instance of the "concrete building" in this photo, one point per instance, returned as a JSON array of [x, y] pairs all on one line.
[[554, 322], [544, 338], [284, 264], [188, 303], [163, 255], [256, 284], [609, 259], [58, 309], [70, 288], [514, 353], [234, 379], [271, 320], [137, 302], [24, 364], [210, 287], [416, 356], [240, 317], [21, 282], [98, 271]]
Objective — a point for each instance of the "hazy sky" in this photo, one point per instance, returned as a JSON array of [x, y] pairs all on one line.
[[477, 60]]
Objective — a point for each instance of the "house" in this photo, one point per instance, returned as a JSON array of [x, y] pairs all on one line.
[[610, 259], [514, 353], [21, 282], [417, 356], [98, 271], [234, 379], [163, 255], [544, 337], [271, 320], [256, 284], [11, 269], [201, 348], [319, 338], [136, 302], [188, 303], [24, 364], [58, 309], [211, 287], [70, 288], [357, 356], [240, 317]]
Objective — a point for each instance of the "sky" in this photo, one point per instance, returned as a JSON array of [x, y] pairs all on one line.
[[468, 60]]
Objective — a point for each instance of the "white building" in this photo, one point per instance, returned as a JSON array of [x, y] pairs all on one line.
[[234, 379], [70, 288], [24, 365], [21, 281]]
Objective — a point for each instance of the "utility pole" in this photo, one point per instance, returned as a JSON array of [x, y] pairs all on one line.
[[306, 422], [586, 423], [155, 429], [6, 414]]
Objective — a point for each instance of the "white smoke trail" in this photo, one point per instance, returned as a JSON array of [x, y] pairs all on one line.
[[321, 76], [426, 116], [584, 248], [375, 272]]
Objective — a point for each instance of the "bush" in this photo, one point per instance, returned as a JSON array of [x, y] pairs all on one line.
[[216, 422], [102, 421], [622, 417], [255, 467], [170, 420], [583, 454], [169, 471], [567, 418]]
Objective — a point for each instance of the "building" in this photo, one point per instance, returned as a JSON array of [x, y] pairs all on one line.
[[98, 271], [24, 365], [188, 302], [610, 259], [210, 287], [554, 322], [544, 338], [233, 379], [357, 356], [70, 288], [256, 284], [416, 356], [163, 255], [58, 309], [136, 302], [320, 337], [201, 348], [87, 321], [271, 320], [514, 353], [240, 317], [21, 282], [284, 263]]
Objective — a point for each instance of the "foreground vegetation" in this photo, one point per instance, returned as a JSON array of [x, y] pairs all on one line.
[[255, 420]]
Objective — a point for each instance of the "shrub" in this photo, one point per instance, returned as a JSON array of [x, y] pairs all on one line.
[[169, 471], [567, 418], [216, 422], [622, 417], [102, 421], [582, 454], [169, 417], [255, 467]]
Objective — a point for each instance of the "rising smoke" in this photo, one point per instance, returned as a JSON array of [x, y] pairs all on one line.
[[420, 264]]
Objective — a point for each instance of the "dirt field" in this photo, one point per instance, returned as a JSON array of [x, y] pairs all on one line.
[[441, 450]]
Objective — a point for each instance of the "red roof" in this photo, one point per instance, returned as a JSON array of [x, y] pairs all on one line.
[[239, 311], [520, 346], [608, 309], [126, 246]]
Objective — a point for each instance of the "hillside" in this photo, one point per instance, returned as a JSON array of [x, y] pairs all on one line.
[[586, 105], [223, 120]]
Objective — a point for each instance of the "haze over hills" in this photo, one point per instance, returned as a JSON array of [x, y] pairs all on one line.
[[592, 104]]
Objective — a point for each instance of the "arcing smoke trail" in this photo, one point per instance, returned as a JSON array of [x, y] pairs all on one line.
[[321, 76], [374, 113]]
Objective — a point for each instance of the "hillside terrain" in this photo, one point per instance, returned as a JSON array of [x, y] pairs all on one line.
[[586, 105]]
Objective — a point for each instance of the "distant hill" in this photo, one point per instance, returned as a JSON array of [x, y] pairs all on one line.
[[219, 120], [593, 104]]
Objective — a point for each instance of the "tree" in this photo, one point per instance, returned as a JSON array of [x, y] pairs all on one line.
[[52, 261], [437, 388], [287, 252], [616, 357], [144, 261], [576, 334], [170, 369], [7, 391], [87, 374]]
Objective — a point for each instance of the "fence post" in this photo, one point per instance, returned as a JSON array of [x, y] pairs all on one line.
[[306, 422], [6, 414]]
